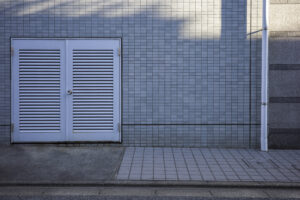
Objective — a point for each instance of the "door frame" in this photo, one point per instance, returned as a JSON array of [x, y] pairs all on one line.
[[12, 95]]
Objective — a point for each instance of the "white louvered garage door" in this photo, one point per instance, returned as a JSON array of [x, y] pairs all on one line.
[[65, 90]]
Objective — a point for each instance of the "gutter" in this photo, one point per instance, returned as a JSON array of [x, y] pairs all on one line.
[[264, 78]]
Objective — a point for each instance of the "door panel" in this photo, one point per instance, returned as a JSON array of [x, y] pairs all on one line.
[[38, 100], [94, 104]]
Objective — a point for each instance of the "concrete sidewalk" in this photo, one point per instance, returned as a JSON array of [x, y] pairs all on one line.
[[42, 164], [102, 165]]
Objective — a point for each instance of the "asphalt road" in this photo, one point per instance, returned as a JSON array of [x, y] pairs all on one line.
[[143, 193], [122, 198]]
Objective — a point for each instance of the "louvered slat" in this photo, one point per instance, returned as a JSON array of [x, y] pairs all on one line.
[[92, 90], [39, 90]]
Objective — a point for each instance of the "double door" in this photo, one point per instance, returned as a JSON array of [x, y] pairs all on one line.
[[65, 90]]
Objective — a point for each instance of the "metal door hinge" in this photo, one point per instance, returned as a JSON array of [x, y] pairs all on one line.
[[11, 51], [12, 126], [119, 127], [119, 51]]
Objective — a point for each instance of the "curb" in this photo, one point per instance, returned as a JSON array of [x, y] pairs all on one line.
[[125, 183]]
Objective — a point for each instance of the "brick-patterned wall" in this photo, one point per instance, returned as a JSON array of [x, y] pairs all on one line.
[[284, 60], [191, 68]]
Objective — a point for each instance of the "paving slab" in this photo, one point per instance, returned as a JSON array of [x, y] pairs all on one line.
[[205, 164]]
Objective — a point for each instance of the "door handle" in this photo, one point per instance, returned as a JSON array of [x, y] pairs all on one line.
[[69, 92]]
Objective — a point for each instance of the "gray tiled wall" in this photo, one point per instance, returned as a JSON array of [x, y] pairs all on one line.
[[191, 74]]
